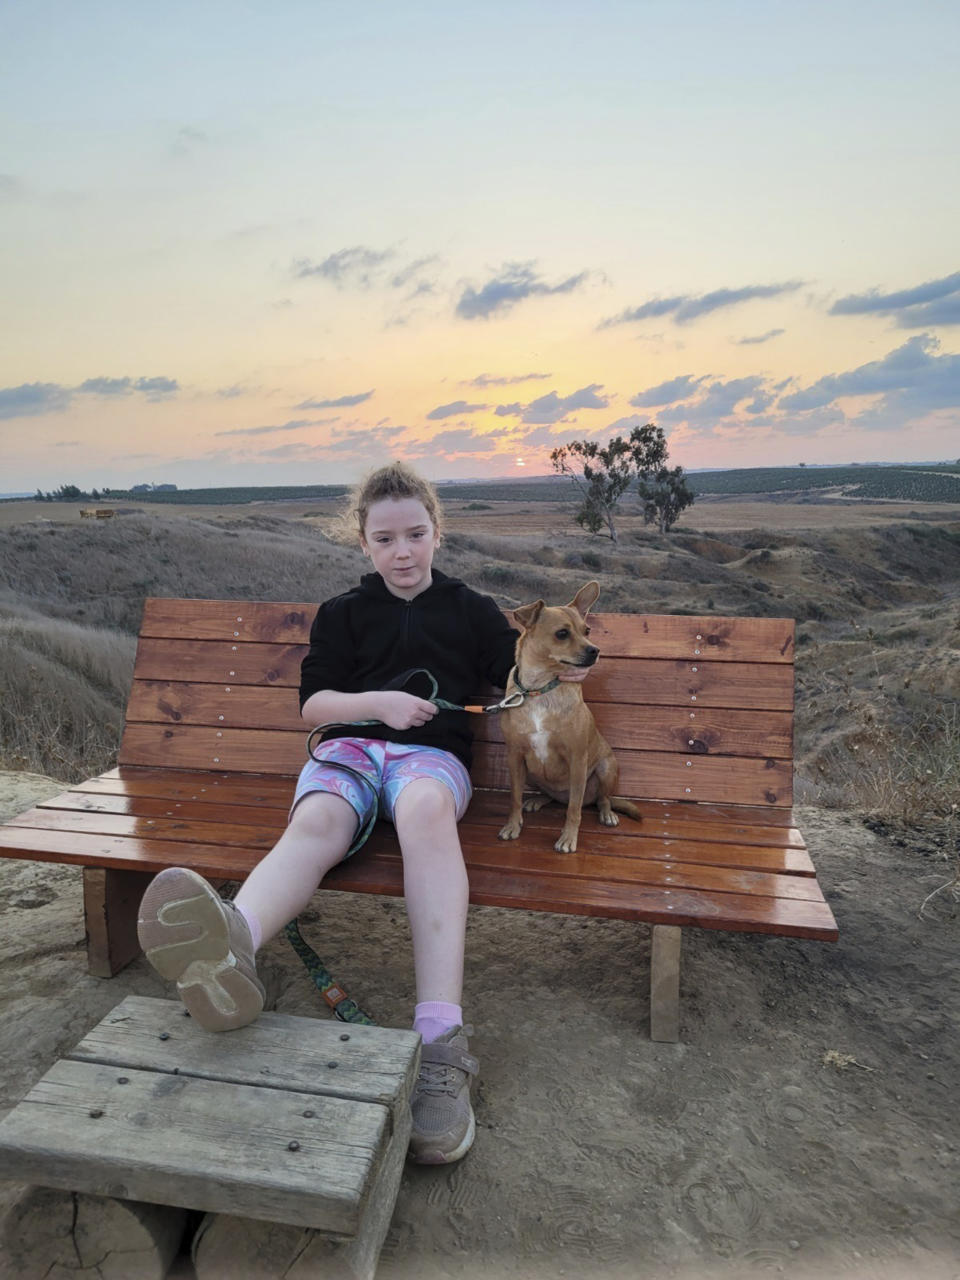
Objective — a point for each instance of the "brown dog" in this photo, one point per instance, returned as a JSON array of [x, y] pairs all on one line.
[[551, 737]]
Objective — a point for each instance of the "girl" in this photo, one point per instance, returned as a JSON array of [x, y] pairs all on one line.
[[414, 757]]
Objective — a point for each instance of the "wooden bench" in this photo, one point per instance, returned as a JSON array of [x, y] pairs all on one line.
[[698, 709]]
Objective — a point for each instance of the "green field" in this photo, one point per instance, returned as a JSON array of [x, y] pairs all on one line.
[[908, 483]]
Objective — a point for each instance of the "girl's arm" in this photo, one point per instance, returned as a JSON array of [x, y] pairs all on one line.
[[393, 707]]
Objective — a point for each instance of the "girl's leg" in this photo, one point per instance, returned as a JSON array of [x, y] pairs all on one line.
[[435, 887], [321, 830], [207, 946], [436, 890]]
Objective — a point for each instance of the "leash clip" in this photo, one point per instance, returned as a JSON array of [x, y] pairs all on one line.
[[515, 699]]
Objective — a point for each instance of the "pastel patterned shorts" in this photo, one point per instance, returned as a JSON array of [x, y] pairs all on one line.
[[387, 767]]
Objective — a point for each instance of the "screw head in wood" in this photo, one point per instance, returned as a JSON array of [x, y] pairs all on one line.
[[95, 1113], [293, 1146], [345, 1036], [164, 1035], [309, 1114], [333, 1064], [123, 1079]]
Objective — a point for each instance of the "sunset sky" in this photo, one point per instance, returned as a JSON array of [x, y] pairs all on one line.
[[252, 244]]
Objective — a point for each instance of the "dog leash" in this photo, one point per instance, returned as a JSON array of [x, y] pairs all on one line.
[[343, 1006]]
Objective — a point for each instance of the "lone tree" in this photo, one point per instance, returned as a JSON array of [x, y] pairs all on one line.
[[603, 474], [664, 496]]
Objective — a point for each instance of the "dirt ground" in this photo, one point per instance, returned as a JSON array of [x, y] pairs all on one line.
[[806, 1125]]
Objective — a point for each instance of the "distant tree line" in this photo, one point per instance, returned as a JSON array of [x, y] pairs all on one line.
[[73, 493], [603, 474]]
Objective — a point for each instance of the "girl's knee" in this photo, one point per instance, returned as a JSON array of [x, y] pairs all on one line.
[[425, 800], [321, 815]]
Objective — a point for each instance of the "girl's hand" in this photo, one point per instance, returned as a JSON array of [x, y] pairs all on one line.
[[403, 710]]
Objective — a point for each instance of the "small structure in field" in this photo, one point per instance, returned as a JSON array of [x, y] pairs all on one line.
[[98, 513]]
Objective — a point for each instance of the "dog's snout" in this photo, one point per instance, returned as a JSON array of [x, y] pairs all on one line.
[[590, 655]]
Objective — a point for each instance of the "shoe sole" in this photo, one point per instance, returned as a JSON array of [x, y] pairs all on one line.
[[448, 1157], [185, 935]]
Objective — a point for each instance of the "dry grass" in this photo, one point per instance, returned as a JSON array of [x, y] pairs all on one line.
[[62, 692]]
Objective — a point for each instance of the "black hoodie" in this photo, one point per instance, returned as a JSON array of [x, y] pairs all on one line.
[[367, 637]]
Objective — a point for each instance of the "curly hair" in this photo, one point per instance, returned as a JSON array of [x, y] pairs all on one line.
[[394, 481]]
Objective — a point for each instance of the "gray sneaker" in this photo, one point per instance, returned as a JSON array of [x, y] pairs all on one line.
[[443, 1123], [203, 944]]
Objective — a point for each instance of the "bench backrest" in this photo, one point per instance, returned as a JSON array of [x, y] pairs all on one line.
[[696, 708]]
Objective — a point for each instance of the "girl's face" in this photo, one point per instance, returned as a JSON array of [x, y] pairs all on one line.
[[400, 539]]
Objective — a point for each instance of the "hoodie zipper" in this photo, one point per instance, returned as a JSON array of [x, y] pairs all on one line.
[[405, 634]]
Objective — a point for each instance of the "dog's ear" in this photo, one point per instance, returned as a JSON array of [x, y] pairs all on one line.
[[528, 614], [585, 598]]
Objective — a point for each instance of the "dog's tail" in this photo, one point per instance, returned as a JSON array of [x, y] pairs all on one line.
[[626, 806]]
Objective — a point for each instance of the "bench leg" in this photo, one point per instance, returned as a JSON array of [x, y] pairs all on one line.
[[110, 902], [665, 983]]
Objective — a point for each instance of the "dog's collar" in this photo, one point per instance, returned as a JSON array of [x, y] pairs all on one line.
[[532, 693]]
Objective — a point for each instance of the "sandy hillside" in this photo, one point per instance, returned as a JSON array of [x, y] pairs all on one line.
[[806, 1125]]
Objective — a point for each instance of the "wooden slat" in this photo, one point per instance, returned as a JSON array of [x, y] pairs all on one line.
[[199, 1144], [719, 732], [232, 620], [206, 824], [624, 635], [537, 856], [372, 873], [486, 811], [657, 775], [645, 681], [646, 774], [278, 1051], [661, 820], [187, 784], [242, 788], [220, 662]]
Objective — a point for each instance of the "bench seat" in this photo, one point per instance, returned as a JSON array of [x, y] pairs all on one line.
[[698, 710]]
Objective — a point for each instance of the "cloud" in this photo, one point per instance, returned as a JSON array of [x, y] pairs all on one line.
[[357, 267], [914, 366], [295, 424], [464, 441], [458, 406], [343, 402], [669, 392], [107, 386], [687, 307], [515, 282], [406, 275], [32, 398], [936, 302], [157, 388], [551, 407], [368, 442], [762, 337], [488, 380], [187, 140], [153, 388]]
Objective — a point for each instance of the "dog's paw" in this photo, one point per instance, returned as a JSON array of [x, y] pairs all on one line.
[[567, 842], [533, 804], [609, 819], [510, 831]]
